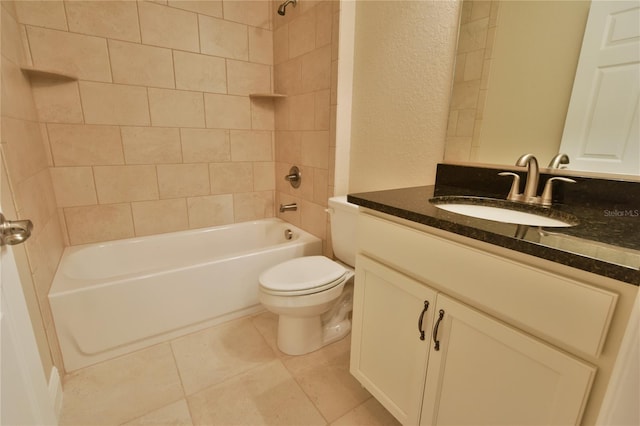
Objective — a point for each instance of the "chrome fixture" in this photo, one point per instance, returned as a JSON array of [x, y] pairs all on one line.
[[283, 6], [287, 207], [547, 192], [288, 234], [558, 160], [533, 174], [294, 177], [14, 231]]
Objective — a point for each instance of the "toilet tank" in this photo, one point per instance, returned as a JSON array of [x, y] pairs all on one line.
[[343, 229]]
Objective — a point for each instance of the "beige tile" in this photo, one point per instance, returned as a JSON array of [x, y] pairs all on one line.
[[48, 14], [264, 177], [183, 180], [316, 70], [176, 108], [81, 225], [245, 78], [473, 65], [111, 19], [135, 384], [227, 112], [200, 72], [253, 205], [334, 83], [249, 145], [302, 112], [57, 102], [156, 217], [305, 190], [324, 20], [325, 378], [473, 35], [175, 414], [12, 43], [335, 36], [282, 186], [266, 395], [313, 218], [281, 114], [85, 145], [262, 114], [211, 210], [74, 186], [223, 38], [314, 149], [216, 354], [22, 149], [320, 186], [259, 14], [267, 325], [465, 123], [323, 110], [116, 184], [114, 104], [370, 413], [151, 145], [227, 178], [288, 147], [168, 27], [260, 46], [205, 145], [85, 57], [209, 7], [133, 63], [288, 77], [281, 45], [302, 34], [465, 95]]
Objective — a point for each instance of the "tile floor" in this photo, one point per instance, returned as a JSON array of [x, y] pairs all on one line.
[[231, 374]]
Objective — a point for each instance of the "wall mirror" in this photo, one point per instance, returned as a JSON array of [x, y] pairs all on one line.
[[518, 70]]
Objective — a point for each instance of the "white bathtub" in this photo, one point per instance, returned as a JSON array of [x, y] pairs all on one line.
[[112, 298]]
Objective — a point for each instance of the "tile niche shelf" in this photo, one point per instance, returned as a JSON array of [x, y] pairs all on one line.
[[50, 74], [267, 95]]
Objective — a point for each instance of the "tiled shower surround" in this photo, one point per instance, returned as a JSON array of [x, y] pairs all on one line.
[[159, 133]]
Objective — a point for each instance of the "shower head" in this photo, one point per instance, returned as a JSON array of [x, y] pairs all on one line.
[[283, 6]]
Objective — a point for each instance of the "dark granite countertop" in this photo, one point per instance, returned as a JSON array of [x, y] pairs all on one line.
[[605, 242]]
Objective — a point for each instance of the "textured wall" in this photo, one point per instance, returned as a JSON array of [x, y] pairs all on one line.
[[159, 133], [27, 190], [305, 46], [402, 81]]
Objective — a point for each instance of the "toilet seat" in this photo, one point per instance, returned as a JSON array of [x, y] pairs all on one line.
[[303, 275]]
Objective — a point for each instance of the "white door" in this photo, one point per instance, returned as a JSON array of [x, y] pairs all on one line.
[[24, 397], [388, 355], [602, 129], [487, 373]]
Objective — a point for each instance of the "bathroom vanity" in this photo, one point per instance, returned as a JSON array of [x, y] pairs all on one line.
[[451, 327]]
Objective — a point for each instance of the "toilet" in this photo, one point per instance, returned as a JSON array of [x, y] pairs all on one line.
[[308, 293]]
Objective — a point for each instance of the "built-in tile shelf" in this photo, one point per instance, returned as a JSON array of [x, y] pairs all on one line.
[[267, 95], [33, 72]]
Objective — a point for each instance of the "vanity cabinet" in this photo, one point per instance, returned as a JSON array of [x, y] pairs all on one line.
[[490, 365]]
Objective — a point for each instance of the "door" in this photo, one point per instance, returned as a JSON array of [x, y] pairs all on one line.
[[388, 356], [487, 373], [602, 128], [24, 397]]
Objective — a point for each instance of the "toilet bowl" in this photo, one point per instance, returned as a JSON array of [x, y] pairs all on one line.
[[313, 295]]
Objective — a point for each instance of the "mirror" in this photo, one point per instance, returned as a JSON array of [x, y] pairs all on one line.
[[515, 68]]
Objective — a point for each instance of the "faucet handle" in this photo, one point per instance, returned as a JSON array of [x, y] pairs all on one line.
[[514, 194], [547, 192]]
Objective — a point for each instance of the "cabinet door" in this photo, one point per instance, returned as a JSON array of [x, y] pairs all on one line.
[[486, 373], [387, 355]]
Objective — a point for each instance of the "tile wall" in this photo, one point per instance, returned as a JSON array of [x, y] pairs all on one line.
[[159, 133], [305, 49], [27, 189], [471, 79]]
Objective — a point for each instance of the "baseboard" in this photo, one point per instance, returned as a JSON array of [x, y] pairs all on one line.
[[55, 391]]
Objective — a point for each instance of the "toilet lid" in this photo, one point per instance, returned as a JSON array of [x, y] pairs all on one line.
[[302, 273]]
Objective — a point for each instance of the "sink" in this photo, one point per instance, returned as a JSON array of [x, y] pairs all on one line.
[[504, 211]]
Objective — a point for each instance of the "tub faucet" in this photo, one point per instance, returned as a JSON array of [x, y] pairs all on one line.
[[286, 207], [530, 194]]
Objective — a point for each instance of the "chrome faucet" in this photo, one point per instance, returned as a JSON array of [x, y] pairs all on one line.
[[530, 194]]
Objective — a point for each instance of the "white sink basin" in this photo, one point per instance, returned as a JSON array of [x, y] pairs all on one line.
[[501, 211]]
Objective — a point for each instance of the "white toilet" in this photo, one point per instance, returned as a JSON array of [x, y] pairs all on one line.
[[307, 292]]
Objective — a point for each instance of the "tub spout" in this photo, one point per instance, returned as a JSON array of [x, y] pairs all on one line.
[[286, 207]]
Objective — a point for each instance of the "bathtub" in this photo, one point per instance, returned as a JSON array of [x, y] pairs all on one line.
[[113, 298]]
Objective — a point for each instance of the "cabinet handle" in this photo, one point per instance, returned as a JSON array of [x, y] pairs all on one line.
[[435, 331], [421, 317]]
